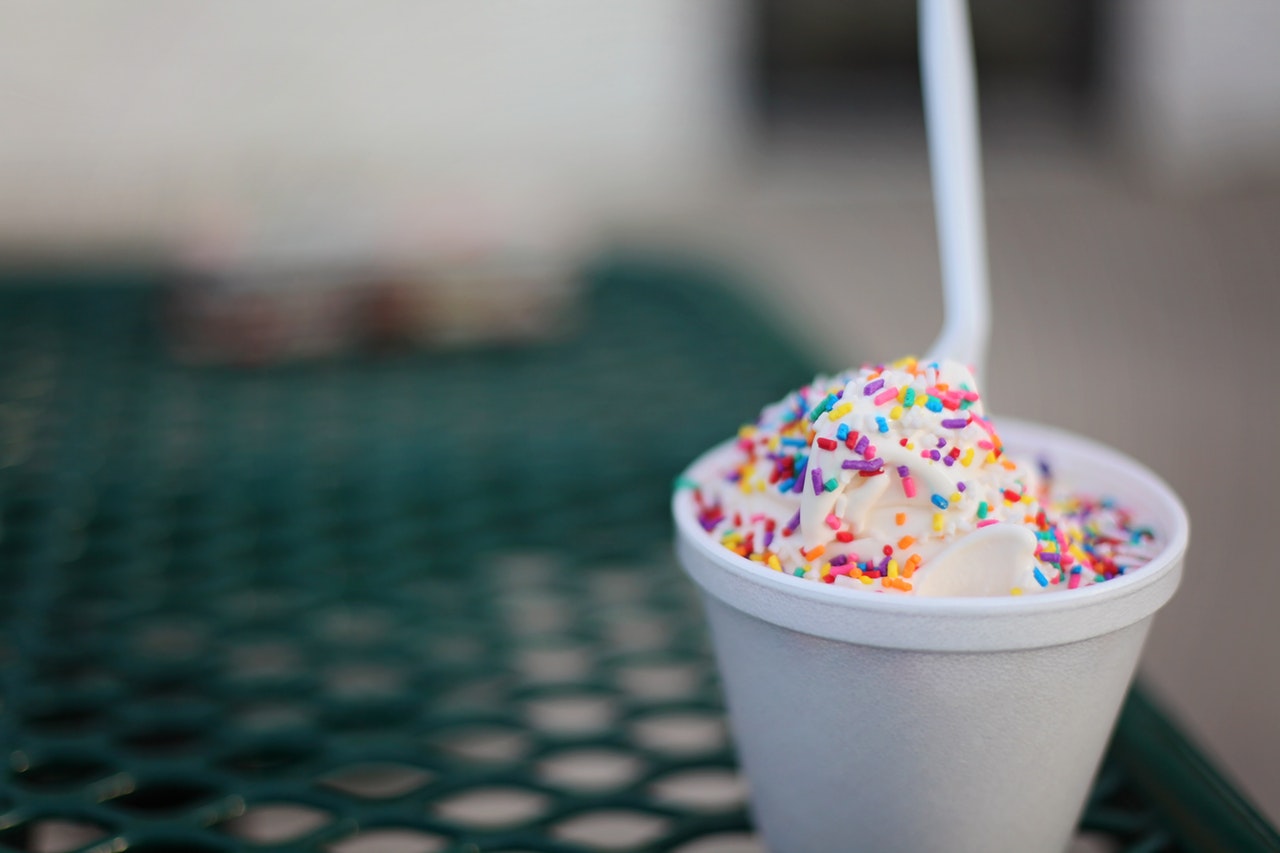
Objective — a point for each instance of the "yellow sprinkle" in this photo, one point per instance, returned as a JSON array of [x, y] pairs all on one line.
[[939, 521], [893, 568], [840, 411], [744, 485], [991, 457], [1017, 590], [756, 558], [866, 580], [774, 443], [955, 496], [825, 570], [1075, 551], [1026, 499], [774, 564], [902, 393], [911, 445], [761, 485], [746, 431], [967, 457], [895, 413]]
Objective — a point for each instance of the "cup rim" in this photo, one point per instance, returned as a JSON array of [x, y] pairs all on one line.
[[1018, 435]]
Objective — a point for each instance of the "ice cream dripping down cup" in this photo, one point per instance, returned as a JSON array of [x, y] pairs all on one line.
[[878, 722]]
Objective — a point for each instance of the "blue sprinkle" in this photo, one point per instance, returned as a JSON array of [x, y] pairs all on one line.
[[939, 501], [882, 424], [934, 404], [842, 432], [786, 484], [794, 442], [1040, 578]]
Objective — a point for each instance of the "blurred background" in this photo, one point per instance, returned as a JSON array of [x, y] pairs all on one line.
[[315, 177]]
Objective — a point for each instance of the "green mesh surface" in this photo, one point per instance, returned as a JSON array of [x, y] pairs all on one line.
[[297, 608]]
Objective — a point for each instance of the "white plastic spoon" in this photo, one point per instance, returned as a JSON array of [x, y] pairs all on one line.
[[951, 122]]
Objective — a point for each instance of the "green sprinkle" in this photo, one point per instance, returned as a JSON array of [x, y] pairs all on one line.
[[683, 482], [982, 510], [831, 485], [799, 573], [909, 398]]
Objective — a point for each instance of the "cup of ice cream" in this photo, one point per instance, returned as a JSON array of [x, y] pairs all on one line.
[[924, 627]]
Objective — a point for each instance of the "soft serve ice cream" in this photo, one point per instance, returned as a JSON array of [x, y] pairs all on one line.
[[891, 478]]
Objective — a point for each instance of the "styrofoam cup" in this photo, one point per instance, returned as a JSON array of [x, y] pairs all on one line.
[[904, 723]]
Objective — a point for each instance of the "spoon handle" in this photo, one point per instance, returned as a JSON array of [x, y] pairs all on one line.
[[951, 121]]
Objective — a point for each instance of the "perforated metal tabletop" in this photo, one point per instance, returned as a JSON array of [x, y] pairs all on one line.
[[415, 602]]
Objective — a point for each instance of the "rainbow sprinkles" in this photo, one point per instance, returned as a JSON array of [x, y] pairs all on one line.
[[872, 478]]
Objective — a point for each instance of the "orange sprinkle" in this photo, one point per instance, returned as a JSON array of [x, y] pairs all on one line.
[[906, 542], [1008, 465], [818, 551], [900, 518]]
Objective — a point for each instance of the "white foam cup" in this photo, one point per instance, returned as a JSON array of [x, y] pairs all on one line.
[[868, 722]]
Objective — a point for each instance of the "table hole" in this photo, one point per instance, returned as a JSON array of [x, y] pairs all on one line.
[[389, 840], [68, 718], [267, 758], [276, 823], [65, 772], [570, 714], [492, 808], [377, 780], [353, 680], [53, 835], [633, 633], [701, 789], [590, 769], [178, 845], [680, 732], [161, 797], [1094, 842], [659, 680], [724, 842], [265, 659], [162, 741], [611, 829], [483, 742], [271, 716], [355, 625], [171, 640], [617, 586]]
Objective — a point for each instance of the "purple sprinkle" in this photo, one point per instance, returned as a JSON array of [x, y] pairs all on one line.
[[883, 566], [1050, 558], [794, 522], [942, 442], [935, 455], [956, 423], [799, 484], [948, 461], [816, 475], [861, 444], [863, 464], [768, 538], [904, 471], [839, 560], [709, 525], [872, 387], [960, 487]]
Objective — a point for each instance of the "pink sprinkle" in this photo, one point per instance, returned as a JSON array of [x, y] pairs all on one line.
[[988, 522], [870, 452], [833, 522], [909, 487], [986, 445], [885, 396], [1074, 581]]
